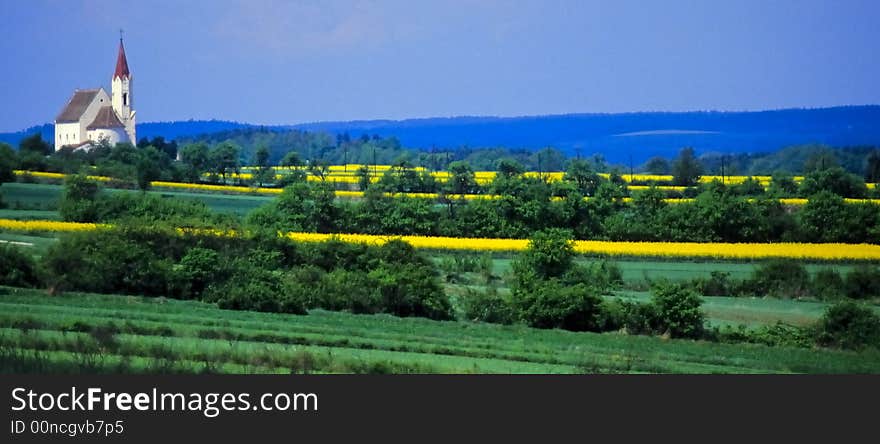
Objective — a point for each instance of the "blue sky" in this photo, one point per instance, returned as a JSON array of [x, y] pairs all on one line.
[[276, 62]]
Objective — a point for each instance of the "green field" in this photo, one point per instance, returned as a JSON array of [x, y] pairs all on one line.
[[32, 196], [676, 270], [58, 333]]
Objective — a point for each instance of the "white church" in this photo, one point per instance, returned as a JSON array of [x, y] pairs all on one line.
[[91, 115]]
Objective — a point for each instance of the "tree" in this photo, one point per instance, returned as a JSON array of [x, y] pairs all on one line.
[[849, 325], [291, 160], [686, 170], [78, 198], [35, 144], [462, 180], [363, 175], [224, 158], [820, 160], [148, 167], [197, 160], [550, 254], [509, 168], [872, 167], [264, 172], [678, 310], [835, 180], [8, 163], [657, 165], [580, 173]]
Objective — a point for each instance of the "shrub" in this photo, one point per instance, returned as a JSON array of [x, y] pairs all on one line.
[[863, 282], [411, 290], [678, 312], [17, 268], [779, 278], [828, 285], [487, 306], [197, 269], [550, 254], [718, 284], [849, 325], [551, 304], [251, 287], [106, 261]]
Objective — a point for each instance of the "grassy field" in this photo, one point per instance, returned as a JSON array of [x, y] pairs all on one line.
[[106, 333], [752, 312], [33, 196], [640, 270]]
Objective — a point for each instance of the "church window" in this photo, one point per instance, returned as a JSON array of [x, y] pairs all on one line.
[[125, 99]]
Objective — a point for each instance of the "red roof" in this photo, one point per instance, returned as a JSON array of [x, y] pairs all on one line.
[[121, 64]]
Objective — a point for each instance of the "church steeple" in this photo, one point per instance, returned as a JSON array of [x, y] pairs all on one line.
[[121, 62], [121, 92]]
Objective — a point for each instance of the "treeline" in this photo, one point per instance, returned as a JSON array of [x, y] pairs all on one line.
[[526, 205]]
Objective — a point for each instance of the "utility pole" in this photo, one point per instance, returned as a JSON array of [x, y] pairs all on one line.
[[722, 168]]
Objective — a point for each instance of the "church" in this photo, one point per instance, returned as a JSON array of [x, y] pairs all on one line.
[[91, 115]]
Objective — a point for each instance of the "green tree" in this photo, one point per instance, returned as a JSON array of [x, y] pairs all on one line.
[[678, 311], [8, 163], [462, 179], [78, 199], [686, 170], [582, 175], [196, 158], [550, 255], [835, 180], [872, 167], [657, 165], [264, 172], [148, 167], [849, 325], [225, 158], [35, 144], [291, 160]]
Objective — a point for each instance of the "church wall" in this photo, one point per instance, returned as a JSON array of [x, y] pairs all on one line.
[[67, 134], [113, 135]]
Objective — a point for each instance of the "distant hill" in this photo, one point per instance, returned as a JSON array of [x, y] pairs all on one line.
[[616, 136], [642, 135]]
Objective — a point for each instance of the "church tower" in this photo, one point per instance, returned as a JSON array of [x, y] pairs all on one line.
[[121, 97]]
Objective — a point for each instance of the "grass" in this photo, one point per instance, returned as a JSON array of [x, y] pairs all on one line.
[[45, 197], [752, 312], [41, 333], [677, 270]]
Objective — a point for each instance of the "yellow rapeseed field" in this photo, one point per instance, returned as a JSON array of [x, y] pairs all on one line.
[[46, 225], [636, 249]]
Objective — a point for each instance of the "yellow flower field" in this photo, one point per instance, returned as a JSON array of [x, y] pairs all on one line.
[[46, 225], [636, 249], [441, 175]]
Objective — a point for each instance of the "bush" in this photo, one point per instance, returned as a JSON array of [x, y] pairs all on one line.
[[197, 269], [849, 325], [487, 306], [411, 290], [828, 285], [17, 268], [779, 278], [677, 309], [863, 282], [718, 284], [551, 304], [252, 287], [107, 261], [550, 254]]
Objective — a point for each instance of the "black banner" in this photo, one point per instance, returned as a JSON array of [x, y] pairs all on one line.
[[115, 408]]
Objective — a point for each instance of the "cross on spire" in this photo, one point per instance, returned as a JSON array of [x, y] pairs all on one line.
[[120, 34]]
